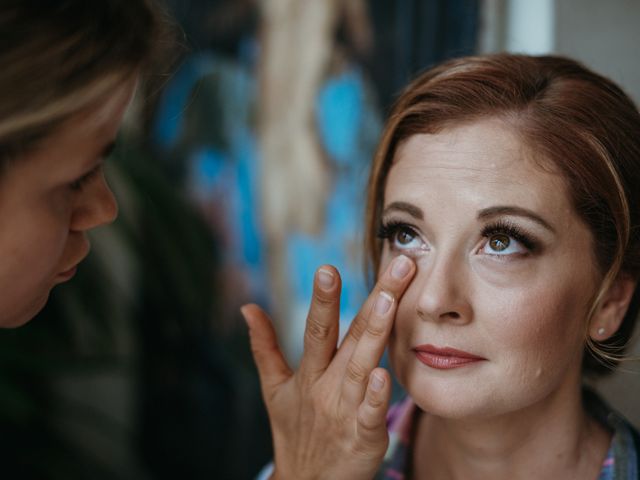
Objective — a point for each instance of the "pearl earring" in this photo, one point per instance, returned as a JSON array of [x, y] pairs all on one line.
[[601, 331]]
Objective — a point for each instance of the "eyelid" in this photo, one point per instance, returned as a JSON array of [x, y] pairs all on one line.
[[514, 231], [388, 230], [80, 182], [389, 227]]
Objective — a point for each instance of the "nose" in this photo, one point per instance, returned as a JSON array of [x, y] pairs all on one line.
[[443, 291], [95, 205]]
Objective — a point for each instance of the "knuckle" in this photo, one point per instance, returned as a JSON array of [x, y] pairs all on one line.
[[320, 405], [375, 401], [358, 327], [368, 446], [390, 285], [367, 424], [316, 331], [376, 331], [323, 300], [262, 353], [356, 373]]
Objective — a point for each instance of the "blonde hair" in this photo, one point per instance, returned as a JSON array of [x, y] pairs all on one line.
[[59, 57]]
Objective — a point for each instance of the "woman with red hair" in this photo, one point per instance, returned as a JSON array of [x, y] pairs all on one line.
[[504, 229]]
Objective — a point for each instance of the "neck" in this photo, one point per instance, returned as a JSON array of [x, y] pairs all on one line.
[[553, 438]]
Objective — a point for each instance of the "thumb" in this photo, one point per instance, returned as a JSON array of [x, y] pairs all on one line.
[[272, 367]]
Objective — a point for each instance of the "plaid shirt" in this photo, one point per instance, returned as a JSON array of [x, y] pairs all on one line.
[[621, 462]]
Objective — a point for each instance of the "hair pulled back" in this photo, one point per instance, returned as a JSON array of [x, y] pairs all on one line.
[[580, 123]]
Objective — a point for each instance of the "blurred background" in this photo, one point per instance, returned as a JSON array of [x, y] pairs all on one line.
[[238, 176]]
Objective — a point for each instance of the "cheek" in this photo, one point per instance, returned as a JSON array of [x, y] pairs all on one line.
[[539, 330], [27, 277], [526, 332], [385, 260], [405, 331], [34, 242]]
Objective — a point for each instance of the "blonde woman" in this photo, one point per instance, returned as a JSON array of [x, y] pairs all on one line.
[[504, 229], [68, 70]]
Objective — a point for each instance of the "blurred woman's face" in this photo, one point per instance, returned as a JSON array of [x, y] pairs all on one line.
[[49, 200], [494, 320]]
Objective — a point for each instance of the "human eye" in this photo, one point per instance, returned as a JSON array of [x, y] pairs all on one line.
[[507, 239], [401, 236], [79, 183]]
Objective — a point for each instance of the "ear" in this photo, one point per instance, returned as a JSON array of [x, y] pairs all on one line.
[[612, 309]]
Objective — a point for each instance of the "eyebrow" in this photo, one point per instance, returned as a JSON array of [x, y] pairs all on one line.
[[484, 214], [404, 207], [102, 154], [490, 212]]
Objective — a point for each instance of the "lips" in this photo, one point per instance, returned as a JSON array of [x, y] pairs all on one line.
[[445, 358], [69, 273]]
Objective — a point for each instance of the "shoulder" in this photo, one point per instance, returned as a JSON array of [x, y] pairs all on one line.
[[624, 453], [400, 421]]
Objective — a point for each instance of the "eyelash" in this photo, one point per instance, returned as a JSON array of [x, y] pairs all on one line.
[[512, 230], [386, 231], [77, 185]]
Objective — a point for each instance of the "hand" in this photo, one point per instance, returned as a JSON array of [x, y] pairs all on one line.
[[328, 419]]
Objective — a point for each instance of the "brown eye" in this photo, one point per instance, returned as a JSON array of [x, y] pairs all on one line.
[[405, 236], [499, 242], [400, 236]]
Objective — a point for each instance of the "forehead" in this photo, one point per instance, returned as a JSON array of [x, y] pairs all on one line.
[[482, 163]]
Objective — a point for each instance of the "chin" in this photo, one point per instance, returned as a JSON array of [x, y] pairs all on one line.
[[444, 406], [462, 410], [25, 313], [459, 399]]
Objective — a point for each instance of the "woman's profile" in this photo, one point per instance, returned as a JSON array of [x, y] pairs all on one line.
[[69, 71], [503, 228]]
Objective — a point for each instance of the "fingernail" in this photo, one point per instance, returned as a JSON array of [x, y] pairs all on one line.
[[325, 279], [383, 303], [401, 267], [377, 382], [243, 310]]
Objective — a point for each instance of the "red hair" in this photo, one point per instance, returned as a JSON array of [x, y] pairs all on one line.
[[583, 124]]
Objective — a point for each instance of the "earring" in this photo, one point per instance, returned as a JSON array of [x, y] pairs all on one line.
[[601, 331]]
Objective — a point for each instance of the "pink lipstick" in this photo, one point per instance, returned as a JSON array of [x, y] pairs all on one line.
[[445, 358]]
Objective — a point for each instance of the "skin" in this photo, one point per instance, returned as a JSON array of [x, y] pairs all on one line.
[[518, 304], [328, 417], [49, 200], [521, 308]]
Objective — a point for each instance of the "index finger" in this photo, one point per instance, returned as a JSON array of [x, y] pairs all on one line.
[[393, 282]]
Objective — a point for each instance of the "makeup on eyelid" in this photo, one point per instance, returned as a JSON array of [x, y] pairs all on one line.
[[86, 178], [500, 235], [503, 262]]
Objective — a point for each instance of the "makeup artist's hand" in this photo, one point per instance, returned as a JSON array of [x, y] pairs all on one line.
[[328, 418]]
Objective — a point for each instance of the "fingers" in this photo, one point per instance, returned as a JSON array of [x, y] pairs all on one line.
[[393, 282], [369, 349], [272, 367], [372, 412], [322, 328], [369, 333]]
